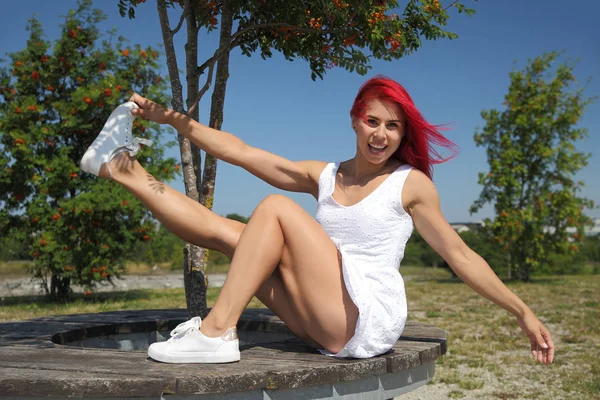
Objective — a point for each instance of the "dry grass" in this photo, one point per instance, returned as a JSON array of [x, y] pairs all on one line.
[[27, 307], [14, 269], [489, 356]]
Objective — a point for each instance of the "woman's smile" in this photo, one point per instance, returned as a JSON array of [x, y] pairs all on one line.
[[377, 149]]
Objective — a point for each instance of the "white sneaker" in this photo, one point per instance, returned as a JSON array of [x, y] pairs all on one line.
[[114, 138], [188, 345]]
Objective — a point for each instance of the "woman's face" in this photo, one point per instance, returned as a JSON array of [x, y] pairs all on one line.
[[379, 134]]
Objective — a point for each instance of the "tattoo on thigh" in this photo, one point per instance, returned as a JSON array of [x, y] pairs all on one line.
[[157, 186]]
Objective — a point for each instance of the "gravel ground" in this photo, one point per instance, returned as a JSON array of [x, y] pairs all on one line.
[[429, 392], [25, 287]]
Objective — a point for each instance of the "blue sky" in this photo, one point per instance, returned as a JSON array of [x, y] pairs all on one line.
[[274, 104]]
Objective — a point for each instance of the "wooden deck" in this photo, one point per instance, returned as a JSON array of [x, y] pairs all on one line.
[[35, 366]]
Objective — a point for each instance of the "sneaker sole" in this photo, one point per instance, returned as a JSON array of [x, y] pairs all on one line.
[[87, 161], [192, 358]]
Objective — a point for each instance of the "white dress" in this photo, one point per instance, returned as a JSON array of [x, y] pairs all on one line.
[[371, 236]]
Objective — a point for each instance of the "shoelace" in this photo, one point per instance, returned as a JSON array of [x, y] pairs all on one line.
[[134, 146], [185, 327]]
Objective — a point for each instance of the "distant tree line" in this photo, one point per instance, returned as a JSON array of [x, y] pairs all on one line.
[[168, 248], [585, 259], [165, 247]]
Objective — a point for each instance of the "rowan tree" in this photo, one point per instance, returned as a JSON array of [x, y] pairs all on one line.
[[533, 157], [54, 100]]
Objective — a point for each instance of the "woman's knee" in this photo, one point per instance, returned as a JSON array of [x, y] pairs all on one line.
[[272, 205], [337, 343]]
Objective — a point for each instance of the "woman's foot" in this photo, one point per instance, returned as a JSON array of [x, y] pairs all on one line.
[[188, 345], [120, 164], [114, 138]]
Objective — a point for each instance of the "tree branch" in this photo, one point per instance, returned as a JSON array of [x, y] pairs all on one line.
[[183, 14], [235, 41], [274, 24], [189, 174], [204, 89], [171, 56], [208, 62], [451, 4]]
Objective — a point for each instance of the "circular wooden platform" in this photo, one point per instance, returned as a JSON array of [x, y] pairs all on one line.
[[34, 363]]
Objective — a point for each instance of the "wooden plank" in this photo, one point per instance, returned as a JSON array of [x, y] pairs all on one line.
[[250, 373], [36, 383], [407, 355], [404, 355], [423, 331], [417, 332]]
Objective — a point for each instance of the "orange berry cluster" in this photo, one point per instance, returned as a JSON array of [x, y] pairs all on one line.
[[349, 41], [376, 17], [213, 11], [395, 41], [103, 270], [340, 4], [315, 23], [436, 6]]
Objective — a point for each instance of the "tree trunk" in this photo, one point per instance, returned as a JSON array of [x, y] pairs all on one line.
[[194, 280], [217, 103], [60, 288], [194, 265], [523, 273], [510, 260], [522, 267], [207, 191]]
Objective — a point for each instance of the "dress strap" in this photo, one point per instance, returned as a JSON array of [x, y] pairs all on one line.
[[399, 179], [326, 180]]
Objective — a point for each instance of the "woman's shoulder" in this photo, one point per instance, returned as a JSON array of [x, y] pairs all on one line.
[[418, 187], [314, 168]]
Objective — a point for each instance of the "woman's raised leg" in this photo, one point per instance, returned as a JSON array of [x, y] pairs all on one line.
[[281, 234], [181, 215], [200, 226]]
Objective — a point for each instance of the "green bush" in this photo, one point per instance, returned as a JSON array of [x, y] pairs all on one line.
[[13, 248], [419, 253]]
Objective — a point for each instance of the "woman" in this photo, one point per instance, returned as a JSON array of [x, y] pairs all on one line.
[[334, 281]]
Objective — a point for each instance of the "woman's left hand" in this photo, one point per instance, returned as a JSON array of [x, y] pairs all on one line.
[[542, 347]]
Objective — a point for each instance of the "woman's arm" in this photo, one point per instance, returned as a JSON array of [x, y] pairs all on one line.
[[278, 171], [422, 202]]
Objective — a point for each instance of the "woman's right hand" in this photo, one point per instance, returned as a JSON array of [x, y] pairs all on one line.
[[149, 110]]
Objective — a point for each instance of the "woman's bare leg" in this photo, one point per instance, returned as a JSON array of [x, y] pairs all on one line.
[[198, 225], [280, 233], [181, 215]]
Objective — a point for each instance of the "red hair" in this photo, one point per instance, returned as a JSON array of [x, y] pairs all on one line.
[[416, 148]]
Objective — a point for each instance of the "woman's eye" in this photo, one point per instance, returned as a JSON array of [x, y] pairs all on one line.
[[392, 126], [372, 122]]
